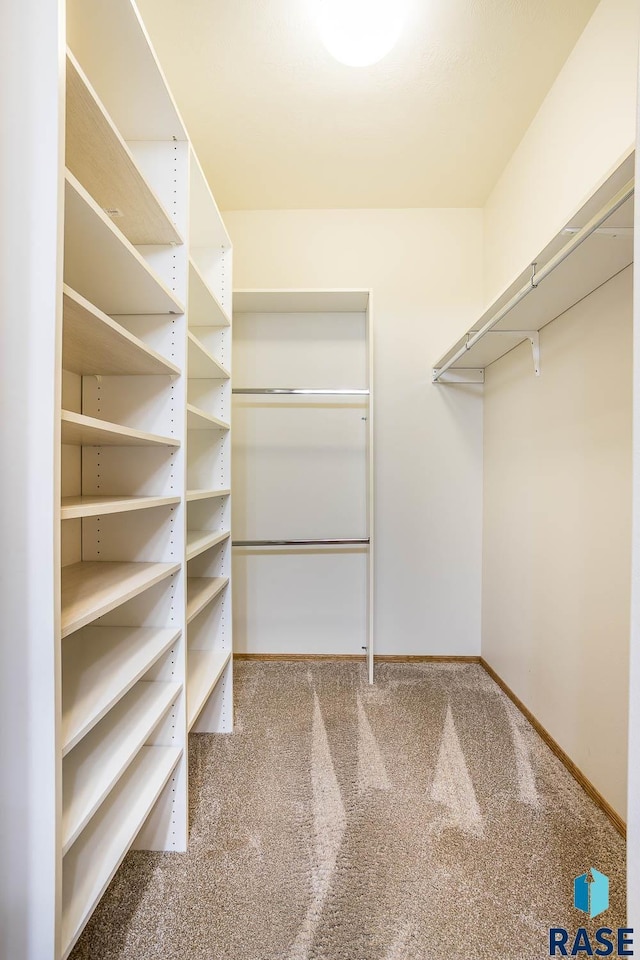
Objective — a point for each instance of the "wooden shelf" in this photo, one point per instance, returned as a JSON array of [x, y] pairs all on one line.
[[200, 540], [74, 507], [300, 301], [205, 310], [94, 344], [92, 588], [99, 666], [96, 855], [206, 227], [596, 260], [197, 419], [103, 266], [206, 494], [93, 768], [201, 591], [131, 84], [201, 364], [101, 160], [89, 432], [204, 669]]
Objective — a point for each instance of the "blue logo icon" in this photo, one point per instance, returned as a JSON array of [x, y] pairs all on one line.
[[591, 892]]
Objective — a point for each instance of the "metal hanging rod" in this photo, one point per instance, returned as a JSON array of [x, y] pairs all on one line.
[[296, 390], [299, 543], [538, 276]]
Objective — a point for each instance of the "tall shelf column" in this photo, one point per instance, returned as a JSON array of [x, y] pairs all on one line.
[[208, 553], [123, 728]]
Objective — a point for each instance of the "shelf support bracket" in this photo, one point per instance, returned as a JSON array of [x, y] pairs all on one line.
[[459, 375], [533, 336]]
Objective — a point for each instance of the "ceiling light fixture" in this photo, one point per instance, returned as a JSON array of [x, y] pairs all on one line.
[[360, 32]]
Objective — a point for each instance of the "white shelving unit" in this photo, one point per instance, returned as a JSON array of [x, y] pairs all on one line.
[[139, 641], [208, 548], [594, 246]]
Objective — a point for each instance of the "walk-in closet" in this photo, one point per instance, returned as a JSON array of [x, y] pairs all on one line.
[[319, 380]]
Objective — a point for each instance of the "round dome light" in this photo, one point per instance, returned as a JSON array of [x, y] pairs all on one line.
[[360, 32]]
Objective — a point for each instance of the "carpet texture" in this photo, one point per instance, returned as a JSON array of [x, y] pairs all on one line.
[[418, 819]]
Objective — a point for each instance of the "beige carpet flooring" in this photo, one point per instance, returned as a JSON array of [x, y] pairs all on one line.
[[418, 819]]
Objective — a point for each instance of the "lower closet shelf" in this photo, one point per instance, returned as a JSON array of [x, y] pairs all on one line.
[[204, 494], [96, 855], [200, 540], [92, 588], [201, 591], [204, 669], [76, 507], [93, 768], [99, 666]]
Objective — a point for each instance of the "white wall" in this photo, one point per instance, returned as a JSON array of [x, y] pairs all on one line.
[[425, 270], [557, 530], [584, 127], [633, 819]]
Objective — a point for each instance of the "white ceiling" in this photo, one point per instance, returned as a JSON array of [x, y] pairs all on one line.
[[277, 123]]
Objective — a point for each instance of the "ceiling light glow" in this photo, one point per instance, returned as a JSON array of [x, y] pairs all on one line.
[[360, 32]]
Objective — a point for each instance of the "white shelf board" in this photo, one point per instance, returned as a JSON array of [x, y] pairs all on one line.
[[92, 588], [205, 310], [93, 768], [198, 419], [98, 156], [86, 431], [200, 540], [96, 855], [74, 507], [300, 301], [201, 591], [206, 226], [99, 666], [201, 364], [94, 344], [95, 31], [204, 669], [202, 494], [599, 258], [103, 266]]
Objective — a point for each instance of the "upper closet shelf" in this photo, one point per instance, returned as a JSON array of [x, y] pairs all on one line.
[[94, 344], [206, 226], [198, 419], [201, 364], [73, 508], [101, 160], [112, 45], [103, 266], [300, 301], [80, 430], [592, 248], [205, 310]]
